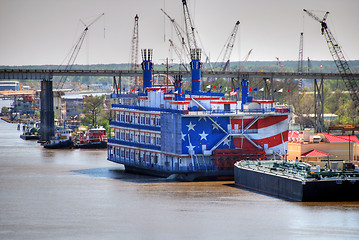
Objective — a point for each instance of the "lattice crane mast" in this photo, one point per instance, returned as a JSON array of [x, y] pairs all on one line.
[[229, 47], [339, 59], [300, 60], [134, 45], [191, 39], [76, 50]]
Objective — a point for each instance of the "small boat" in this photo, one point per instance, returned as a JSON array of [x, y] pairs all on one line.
[[94, 138], [62, 139], [30, 133]]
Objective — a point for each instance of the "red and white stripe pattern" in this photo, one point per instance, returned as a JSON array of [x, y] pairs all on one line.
[[269, 132]]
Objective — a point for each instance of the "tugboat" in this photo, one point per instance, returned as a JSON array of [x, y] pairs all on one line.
[[62, 139], [94, 138]]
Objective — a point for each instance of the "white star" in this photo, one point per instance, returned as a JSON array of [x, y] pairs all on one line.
[[215, 126], [190, 126], [204, 118], [190, 147], [183, 135], [227, 141], [203, 136]]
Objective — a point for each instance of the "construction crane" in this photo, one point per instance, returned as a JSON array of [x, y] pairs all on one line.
[[134, 45], [191, 39], [134, 49], [245, 60], [339, 59], [228, 46], [280, 65], [178, 54], [300, 60], [76, 50], [179, 31]]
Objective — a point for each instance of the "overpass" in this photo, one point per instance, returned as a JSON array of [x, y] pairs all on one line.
[[48, 74]]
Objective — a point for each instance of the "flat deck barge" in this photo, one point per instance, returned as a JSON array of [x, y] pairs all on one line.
[[298, 181]]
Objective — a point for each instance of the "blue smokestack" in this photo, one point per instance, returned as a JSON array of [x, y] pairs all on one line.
[[196, 70], [245, 91], [178, 88], [147, 68]]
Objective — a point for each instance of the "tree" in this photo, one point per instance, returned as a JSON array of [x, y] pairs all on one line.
[[93, 105], [5, 110]]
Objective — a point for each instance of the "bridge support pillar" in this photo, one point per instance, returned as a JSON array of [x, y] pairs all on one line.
[[46, 111]]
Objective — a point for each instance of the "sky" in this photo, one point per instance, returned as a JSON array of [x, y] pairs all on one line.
[[37, 32]]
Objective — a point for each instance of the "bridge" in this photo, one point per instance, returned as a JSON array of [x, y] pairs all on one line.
[[48, 74]]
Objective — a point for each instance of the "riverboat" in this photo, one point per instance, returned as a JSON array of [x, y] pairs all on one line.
[[298, 181], [94, 138], [191, 135]]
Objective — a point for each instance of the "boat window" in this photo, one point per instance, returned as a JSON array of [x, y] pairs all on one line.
[[142, 119], [148, 139], [142, 138], [127, 154]]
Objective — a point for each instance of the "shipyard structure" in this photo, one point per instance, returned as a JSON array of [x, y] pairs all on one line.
[[189, 135]]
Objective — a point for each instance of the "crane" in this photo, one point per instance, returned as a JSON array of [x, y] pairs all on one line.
[[280, 65], [179, 32], [300, 60], [178, 54], [338, 57], [76, 50], [245, 60], [228, 46], [191, 40], [134, 45], [134, 49]]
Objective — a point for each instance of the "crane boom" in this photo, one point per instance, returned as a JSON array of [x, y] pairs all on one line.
[[229, 47], [76, 50], [178, 54], [134, 45], [339, 59], [179, 32], [191, 40]]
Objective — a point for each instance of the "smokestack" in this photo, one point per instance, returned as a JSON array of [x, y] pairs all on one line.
[[178, 88], [147, 68], [196, 70]]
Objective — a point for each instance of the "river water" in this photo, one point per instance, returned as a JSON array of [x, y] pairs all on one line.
[[78, 194]]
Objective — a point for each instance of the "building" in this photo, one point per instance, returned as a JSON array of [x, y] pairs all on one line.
[[9, 86], [322, 147]]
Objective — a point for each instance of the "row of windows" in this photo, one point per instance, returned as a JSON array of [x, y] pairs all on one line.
[[136, 155], [139, 118], [138, 137]]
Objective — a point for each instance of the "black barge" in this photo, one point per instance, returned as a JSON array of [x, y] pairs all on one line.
[[298, 181]]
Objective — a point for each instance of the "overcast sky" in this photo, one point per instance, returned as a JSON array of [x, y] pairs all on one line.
[[35, 32]]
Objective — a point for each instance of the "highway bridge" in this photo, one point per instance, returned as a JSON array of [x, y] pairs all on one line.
[[48, 74]]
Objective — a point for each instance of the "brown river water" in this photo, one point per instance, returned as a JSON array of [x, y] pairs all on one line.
[[78, 194]]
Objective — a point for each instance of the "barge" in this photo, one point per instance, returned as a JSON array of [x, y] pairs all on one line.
[[298, 181]]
